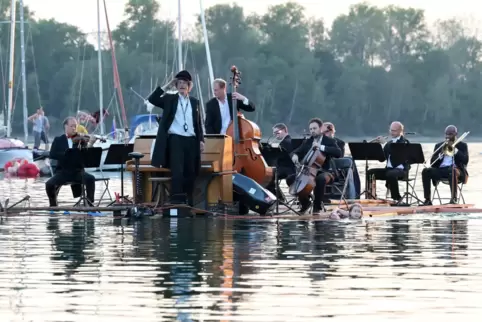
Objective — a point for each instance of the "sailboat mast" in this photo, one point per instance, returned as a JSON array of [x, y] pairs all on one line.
[[206, 44], [13, 9], [24, 81], [179, 36], [99, 59]]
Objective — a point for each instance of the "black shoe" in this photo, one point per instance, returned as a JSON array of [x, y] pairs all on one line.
[[304, 207], [427, 203], [453, 201]]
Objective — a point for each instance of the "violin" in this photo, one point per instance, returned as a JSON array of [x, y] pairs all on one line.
[[246, 135], [78, 137], [308, 169]]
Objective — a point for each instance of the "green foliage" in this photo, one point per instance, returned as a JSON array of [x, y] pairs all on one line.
[[370, 67]]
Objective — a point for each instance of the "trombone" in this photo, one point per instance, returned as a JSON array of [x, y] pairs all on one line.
[[447, 148]]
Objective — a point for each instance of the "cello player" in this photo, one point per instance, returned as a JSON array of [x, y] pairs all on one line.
[[330, 149], [219, 108]]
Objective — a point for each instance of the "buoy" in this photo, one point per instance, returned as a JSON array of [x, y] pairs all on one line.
[[28, 170], [21, 168]]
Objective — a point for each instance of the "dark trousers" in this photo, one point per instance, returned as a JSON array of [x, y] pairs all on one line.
[[321, 180], [61, 178], [182, 162], [391, 177], [437, 174], [283, 173]]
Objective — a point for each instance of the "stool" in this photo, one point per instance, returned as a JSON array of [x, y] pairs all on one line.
[[160, 190], [106, 189], [137, 156]]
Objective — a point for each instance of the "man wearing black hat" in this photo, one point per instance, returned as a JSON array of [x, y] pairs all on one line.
[[180, 137], [219, 111]]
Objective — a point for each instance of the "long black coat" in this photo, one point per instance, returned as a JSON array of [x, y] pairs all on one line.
[[169, 102], [213, 113]]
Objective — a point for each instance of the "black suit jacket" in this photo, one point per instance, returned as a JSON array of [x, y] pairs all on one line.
[[284, 159], [461, 158], [332, 150], [341, 145], [387, 152], [213, 114], [66, 166], [169, 102]]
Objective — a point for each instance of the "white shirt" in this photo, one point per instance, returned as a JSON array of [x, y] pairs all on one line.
[[183, 116], [389, 164], [446, 162], [225, 116], [71, 144]]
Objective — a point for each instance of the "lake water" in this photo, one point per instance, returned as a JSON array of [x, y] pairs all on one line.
[[62, 268]]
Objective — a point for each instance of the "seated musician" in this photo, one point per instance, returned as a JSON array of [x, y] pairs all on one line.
[[180, 137], [328, 129], [67, 170], [219, 112], [452, 168], [330, 149], [284, 164], [392, 172]]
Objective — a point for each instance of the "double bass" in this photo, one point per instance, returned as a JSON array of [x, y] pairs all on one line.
[[246, 135], [308, 170]]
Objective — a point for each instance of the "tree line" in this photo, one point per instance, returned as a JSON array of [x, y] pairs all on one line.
[[371, 66]]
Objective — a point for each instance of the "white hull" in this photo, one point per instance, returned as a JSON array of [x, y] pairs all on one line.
[[14, 153]]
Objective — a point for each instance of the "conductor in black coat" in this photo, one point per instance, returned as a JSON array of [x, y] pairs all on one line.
[[180, 138], [219, 109], [330, 149], [451, 168], [69, 170]]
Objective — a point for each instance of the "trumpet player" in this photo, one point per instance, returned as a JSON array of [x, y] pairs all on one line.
[[447, 162], [392, 172]]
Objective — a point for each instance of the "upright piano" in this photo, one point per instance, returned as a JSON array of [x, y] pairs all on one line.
[[214, 185]]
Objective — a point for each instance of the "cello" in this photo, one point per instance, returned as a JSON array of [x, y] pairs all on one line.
[[246, 135], [308, 170]]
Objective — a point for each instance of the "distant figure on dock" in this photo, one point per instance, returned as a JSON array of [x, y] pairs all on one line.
[[41, 126], [69, 171]]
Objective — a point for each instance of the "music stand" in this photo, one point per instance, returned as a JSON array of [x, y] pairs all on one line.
[[119, 154], [85, 158], [406, 154], [365, 151]]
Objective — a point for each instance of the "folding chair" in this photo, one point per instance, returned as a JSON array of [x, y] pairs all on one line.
[[409, 180], [459, 194], [343, 176]]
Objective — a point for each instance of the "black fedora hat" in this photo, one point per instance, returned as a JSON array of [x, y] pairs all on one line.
[[184, 75]]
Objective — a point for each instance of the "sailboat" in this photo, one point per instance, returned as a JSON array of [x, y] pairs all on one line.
[[13, 148]]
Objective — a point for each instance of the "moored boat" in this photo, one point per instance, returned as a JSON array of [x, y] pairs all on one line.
[[11, 148]]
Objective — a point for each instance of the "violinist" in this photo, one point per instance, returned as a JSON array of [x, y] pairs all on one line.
[[451, 166], [392, 172], [69, 170], [284, 164], [219, 108], [330, 149], [328, 129], [180, 137]]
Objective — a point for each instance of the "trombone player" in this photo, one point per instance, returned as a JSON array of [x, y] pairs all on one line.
[[449, 161]]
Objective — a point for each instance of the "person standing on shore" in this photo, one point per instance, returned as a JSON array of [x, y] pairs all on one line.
[[40, 128]]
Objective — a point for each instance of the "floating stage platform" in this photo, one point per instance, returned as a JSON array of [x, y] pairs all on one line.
[[371, 209]]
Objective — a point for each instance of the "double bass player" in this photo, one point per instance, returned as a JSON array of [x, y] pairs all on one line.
[[219, 112]]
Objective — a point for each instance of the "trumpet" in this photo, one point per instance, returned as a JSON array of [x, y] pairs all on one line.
[[447, 148], [377, 139]]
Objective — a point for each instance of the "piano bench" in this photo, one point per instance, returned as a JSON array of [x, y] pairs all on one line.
[[160, 190]]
